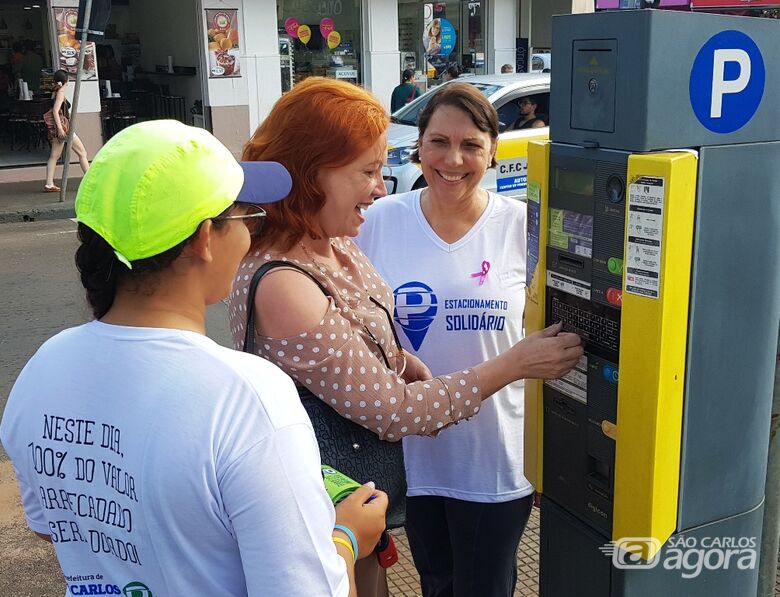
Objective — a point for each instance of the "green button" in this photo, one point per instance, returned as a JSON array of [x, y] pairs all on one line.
[[615, 265]]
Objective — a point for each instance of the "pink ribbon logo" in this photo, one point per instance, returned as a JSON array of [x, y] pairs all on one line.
[[482, 274]]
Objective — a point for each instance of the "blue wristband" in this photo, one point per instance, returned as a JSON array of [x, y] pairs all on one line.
[[351, 535]]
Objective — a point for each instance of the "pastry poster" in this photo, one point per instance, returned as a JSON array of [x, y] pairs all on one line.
[[223, 46], [68, 44]]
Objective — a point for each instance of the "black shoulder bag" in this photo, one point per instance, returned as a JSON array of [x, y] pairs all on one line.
[[344, 445]]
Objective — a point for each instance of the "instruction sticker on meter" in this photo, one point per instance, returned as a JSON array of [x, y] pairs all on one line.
[[575, 383], [645, 229]]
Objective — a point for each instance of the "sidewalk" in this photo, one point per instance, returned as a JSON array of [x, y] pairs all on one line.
[[26, 201]]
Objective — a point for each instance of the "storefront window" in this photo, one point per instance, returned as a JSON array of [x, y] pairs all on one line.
[[433, 36], [319, 38], [25, 82]]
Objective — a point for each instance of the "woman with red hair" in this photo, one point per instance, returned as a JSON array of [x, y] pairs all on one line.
[[325, 316]]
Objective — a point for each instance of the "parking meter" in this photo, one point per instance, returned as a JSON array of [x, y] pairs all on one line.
[[654, 233]]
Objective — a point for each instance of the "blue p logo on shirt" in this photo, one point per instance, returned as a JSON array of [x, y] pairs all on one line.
[[415, 308], [727, 81]]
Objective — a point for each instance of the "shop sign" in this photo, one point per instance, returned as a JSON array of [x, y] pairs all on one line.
[[346, 73], [223, 42], [68, 45], [512, 174], [734, 4], [439, 37]]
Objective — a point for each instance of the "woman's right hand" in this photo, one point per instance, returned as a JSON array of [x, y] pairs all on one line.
[[363, 517], [549, 353]]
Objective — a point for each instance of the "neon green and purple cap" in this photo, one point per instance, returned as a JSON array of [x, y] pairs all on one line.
[[152, 184]]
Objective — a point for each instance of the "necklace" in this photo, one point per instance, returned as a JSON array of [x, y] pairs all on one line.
[[310, 257]]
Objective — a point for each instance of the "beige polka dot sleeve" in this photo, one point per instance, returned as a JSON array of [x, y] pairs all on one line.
[[341, 360]]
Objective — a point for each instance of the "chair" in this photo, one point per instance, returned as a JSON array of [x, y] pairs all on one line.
[[17, 122], [37, 132], [124, 114]]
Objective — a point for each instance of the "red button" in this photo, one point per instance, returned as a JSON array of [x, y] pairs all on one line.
[[615, 297]]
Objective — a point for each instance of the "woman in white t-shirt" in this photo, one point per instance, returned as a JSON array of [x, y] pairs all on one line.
[[182, 467], [454, 255]]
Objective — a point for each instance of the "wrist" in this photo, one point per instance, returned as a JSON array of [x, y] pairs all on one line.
[[342, 531], [342, 546]]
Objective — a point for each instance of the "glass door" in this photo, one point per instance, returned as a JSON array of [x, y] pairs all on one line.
[[434, 37]]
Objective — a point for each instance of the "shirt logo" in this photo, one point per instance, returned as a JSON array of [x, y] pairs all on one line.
[[136, 589], [415, 309]]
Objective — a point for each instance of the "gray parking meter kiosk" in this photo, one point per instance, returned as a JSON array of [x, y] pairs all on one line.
[[654, 233]]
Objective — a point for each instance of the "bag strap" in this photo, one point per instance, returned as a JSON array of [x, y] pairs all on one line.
[[413, 94], [249, 336]]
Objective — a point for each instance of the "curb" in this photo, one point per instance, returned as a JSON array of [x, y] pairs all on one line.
[[59, 211]]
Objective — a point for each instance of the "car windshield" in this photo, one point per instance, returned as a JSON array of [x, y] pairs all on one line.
[[411, 113]]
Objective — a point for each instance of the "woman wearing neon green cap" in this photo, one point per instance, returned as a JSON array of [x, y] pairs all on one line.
[[155, 460]]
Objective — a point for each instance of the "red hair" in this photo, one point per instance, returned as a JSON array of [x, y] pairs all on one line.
[[321, 123]]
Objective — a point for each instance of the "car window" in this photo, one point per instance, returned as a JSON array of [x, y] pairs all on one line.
[[410, 113], [508, 114]]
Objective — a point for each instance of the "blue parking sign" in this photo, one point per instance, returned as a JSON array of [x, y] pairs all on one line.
[[727, 81]]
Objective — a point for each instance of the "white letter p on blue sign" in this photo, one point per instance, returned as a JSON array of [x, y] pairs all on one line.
[[727, 81], [721, 85]]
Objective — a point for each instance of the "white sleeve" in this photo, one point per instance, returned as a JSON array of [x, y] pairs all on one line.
[[32, 506], [283, 518]]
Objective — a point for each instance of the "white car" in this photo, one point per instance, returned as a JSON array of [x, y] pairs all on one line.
[[504, 92]]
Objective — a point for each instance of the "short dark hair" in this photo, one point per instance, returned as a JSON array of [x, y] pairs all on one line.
[[463, 97], [453, 71], [407, 74]]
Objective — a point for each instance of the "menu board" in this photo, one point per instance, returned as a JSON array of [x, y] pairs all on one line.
[[223, 42], [68, 44]]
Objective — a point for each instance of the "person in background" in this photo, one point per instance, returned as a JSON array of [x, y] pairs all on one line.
[[30, 66], [211, 468], [528, 118], [404, 93], [57, 125], [507, 69], [108, 67], [452, 73], [342, 346], [17, 58], [455, 256]]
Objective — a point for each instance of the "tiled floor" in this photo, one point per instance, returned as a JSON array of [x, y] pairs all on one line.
[[404, 582]]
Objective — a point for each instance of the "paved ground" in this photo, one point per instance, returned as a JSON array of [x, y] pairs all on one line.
[[26, 201]]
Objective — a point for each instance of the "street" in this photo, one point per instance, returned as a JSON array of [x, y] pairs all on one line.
[[40, 295]]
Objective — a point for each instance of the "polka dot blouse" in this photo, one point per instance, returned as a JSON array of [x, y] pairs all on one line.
[[340, 360]]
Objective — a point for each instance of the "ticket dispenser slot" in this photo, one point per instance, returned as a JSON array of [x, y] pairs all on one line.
[[593, 85]]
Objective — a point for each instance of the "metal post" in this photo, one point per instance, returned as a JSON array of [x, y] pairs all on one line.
[[770, 536], [75, 107]]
